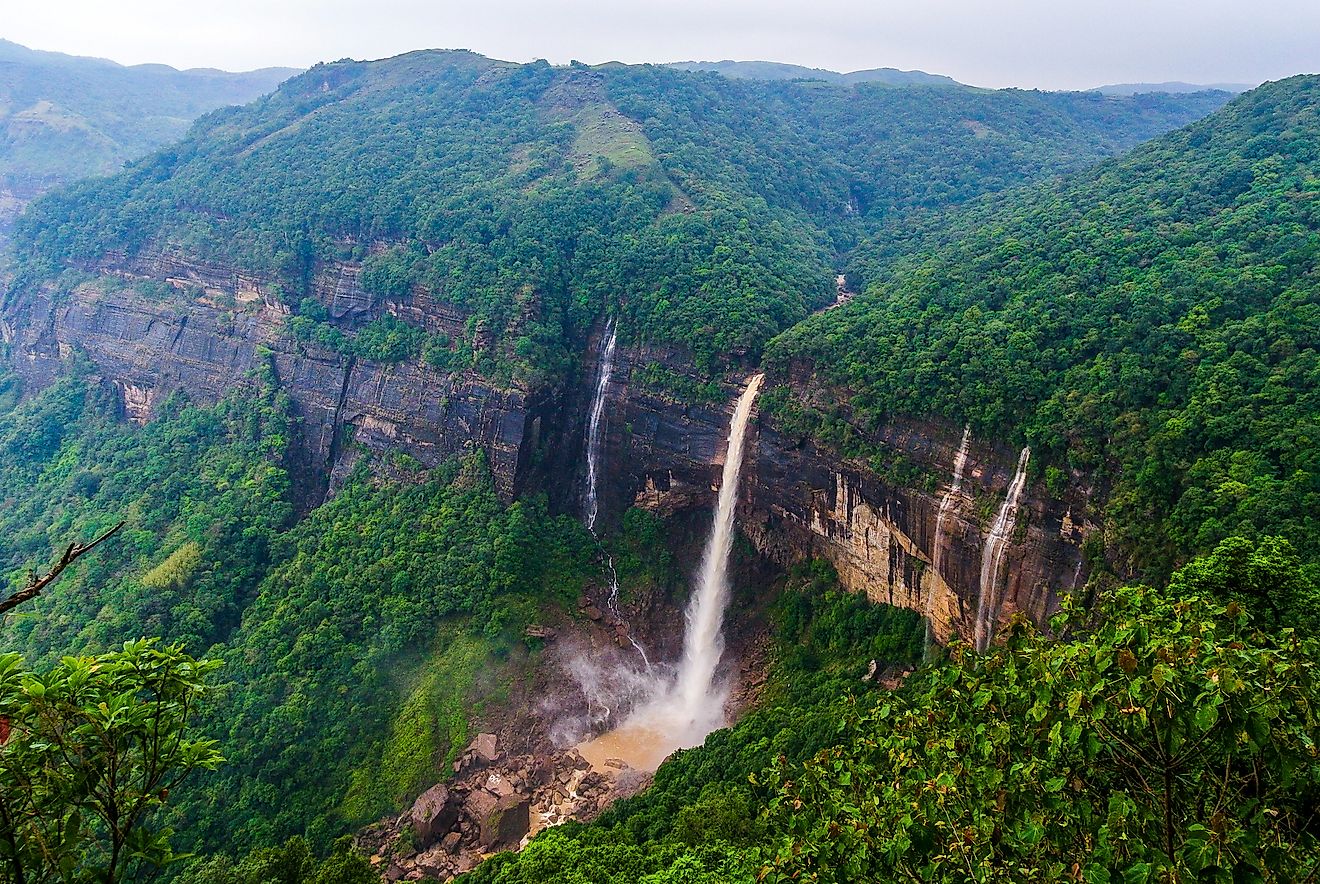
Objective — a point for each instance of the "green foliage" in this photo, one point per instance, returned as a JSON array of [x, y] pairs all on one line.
[[364, 649], [1151, 324], [1166, 740], [384, 339], [291, 863], [357, 641], [207, 484], [92, 750]]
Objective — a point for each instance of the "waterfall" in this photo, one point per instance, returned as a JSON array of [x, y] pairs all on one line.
[[936, 553], [612, 602], [603, 373], [682, 711], [992, 555], [697, 702]]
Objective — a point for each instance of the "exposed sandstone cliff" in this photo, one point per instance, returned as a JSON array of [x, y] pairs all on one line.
[[803, 500]]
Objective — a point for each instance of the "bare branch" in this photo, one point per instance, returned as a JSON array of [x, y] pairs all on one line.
[[36, 584]]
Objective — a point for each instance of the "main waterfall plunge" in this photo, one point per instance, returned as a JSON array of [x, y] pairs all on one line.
[[682, 710]]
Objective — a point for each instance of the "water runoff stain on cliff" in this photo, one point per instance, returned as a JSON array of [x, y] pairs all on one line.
[[992, 555], [684, 709], [937, 550]]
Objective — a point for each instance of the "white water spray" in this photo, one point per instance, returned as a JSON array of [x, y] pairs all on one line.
[[937, 551], [683, 711], [603, 375], [992, 555]]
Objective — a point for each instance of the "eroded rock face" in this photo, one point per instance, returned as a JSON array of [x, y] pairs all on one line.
[[223, 326], [800, 500]]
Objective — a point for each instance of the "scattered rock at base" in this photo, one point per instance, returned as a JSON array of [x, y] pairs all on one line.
[[433, 814], [483, 747]]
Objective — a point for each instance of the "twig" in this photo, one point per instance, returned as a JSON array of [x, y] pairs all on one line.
[[36, 584]]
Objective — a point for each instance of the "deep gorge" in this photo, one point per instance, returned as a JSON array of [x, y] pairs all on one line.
[[801, 499]]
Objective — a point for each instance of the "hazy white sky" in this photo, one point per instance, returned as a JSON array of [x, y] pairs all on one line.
[[1032, 43]]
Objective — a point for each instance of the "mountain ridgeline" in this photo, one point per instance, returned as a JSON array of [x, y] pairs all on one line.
[[413, 382], [533, 198]]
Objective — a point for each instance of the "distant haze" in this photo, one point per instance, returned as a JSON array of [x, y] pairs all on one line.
[[1029, 43]]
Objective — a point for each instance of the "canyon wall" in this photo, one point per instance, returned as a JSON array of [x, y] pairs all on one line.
[[801, 500], [223, 326], [662, 451]]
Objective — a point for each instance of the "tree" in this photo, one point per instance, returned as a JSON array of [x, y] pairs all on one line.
[[90, 750], [88, 753], [1167, 739]]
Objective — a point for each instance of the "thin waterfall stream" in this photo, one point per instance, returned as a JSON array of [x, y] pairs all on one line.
[[992, 555], [591, 497], [594, 435], [683, 711], [937, 550]]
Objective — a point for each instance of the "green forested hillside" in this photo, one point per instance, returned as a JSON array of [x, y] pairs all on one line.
[[1151, 328], [356, 642], [705, 209], [63, 118]]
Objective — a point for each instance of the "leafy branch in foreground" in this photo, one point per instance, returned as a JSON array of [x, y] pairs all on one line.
[[88, 752]]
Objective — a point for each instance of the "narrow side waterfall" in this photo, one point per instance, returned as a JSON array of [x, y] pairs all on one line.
[[604, 372], [937, 548], [697, 700], [992, 555], [683, 710]]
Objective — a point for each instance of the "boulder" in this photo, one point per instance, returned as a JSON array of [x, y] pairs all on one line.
[[484, 748], [433, 814], [502, 821]]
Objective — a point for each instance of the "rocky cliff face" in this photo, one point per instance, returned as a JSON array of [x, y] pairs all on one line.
[[222, 325], [662, 451], [801, 500]]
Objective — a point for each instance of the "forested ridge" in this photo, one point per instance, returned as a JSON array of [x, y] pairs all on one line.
[[1151, 326], [708, 211]]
